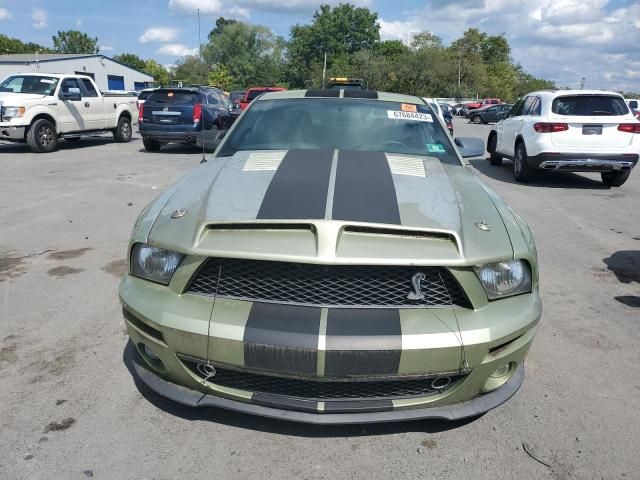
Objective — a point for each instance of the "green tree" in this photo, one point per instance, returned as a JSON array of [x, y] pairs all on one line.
[[9, 45], [191, 70], [74, 41], [131, 60], [220, 77], [157, 71], [253, 54], [221, 22], [339, 31]]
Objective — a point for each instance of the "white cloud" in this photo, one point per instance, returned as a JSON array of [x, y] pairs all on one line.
[[158, 34], [40, 19], [242, 8], [561, 40], [106, 48], [5, 14], [176, 50], [207, 7]]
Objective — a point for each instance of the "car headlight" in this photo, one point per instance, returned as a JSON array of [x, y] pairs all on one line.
[[153, 263], [12, 112], [503, 279]]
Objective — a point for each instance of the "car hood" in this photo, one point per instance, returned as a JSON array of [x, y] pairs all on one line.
[[332, 207], [17, 99]]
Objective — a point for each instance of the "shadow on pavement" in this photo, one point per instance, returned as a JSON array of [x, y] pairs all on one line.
[[176, 148], [84, 142], [281, 427], [547, 179]]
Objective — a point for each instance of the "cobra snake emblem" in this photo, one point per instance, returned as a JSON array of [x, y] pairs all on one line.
[[417, 294]]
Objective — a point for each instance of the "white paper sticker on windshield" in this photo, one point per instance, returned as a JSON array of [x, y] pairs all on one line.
[[46, 80], [415, 116]]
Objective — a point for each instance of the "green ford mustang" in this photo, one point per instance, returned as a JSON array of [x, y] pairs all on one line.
[[336, 261]]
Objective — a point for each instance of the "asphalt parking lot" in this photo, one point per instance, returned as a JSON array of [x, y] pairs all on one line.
[[70, 407]]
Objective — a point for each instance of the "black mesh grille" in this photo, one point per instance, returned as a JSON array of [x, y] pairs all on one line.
[[325, 390], [332, 285]]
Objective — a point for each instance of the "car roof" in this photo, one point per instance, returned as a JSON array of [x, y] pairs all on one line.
[[560, 93], [382, 96]]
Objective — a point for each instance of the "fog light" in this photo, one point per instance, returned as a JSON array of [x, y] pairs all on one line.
[[502, 371], [499, 377], [150, 353]]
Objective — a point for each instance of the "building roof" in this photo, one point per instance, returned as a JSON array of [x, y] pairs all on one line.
[[26, 58], [42, 57]]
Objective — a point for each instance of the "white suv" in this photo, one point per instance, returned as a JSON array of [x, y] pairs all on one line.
[[570, 130]]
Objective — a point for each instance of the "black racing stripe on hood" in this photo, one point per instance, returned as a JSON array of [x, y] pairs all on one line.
[[363, 341], [298, 190], [364, 189], [282, 338]]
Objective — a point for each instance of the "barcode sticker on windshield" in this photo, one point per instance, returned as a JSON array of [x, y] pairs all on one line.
[[415, 116]]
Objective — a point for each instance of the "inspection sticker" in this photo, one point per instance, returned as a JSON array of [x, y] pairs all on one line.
[[435, 148], [416, 116], [408, 107]]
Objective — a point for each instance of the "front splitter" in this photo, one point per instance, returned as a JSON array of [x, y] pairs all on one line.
[[459, 411]]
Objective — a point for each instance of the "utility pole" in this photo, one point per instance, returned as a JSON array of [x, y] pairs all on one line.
[[324, 68], [199, 40]]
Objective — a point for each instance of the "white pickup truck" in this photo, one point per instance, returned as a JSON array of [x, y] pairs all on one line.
[[42, 108]]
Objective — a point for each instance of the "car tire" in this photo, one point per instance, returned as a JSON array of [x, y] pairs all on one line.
[[42, 136], [477, 119], [151, 145], [615, 179], [521, 171], [123, 133], [494, 158]]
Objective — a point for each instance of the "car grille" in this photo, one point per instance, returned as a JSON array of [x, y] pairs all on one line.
[[326, 285], [325, 390]]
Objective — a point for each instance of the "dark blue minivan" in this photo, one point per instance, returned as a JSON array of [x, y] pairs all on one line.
[[184, 115]]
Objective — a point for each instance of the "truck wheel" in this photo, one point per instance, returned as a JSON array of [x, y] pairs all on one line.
[[521, 171], [477, 119], [122, 133], [615, 179], [494, 158], [151, 145], [42, 136]]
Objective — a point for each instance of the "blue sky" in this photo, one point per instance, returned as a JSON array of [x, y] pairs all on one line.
[[563, 40]]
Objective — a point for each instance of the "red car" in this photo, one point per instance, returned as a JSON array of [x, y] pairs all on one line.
[[254, 92], [483, 102]]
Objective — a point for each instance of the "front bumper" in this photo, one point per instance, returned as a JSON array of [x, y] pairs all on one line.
[[12, 133], [175, 327], [583, 162]]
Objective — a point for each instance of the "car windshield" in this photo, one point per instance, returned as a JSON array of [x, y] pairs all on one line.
[[144, 94], [35, 84], [236, 96], [344, 124], [589, 105]]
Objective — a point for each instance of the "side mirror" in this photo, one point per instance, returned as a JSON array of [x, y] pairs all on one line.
[[73, 94], [470, 146]]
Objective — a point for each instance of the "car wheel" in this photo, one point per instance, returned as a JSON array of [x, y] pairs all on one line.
[[615, 179], [494, 158], [123, 132], [42, 136], [151, 145], [521, 171], [477, 119]]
